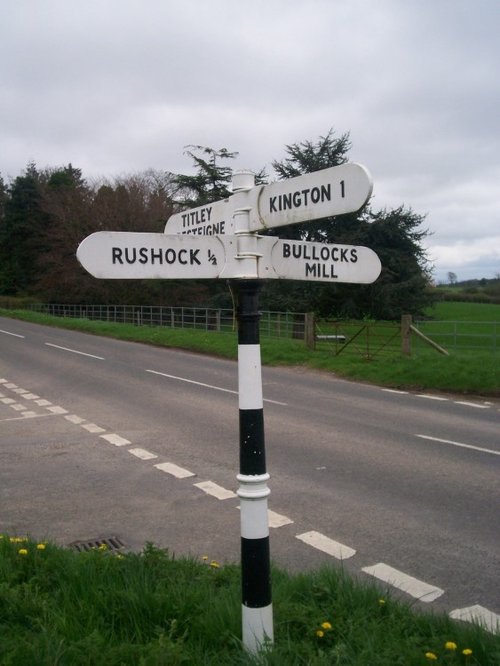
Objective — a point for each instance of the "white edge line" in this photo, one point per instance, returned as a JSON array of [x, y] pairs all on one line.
[[460, 444], [210, 386], [75, 351]]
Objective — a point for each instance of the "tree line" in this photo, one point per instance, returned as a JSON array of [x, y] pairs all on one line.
[[45, 214]]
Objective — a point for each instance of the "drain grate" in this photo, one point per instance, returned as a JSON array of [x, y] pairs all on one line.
[[112, 544]]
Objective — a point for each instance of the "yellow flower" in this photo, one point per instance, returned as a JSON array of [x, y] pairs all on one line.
[[431, 656], [18, 539], [326, 625], [205, 558], [103, 546], [467, 652], [320, 633], [381, 602], [450, 645], [214, 564], [40, 546], [22, 551]]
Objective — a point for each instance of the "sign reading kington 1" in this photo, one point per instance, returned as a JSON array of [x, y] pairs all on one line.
[[334, 191]]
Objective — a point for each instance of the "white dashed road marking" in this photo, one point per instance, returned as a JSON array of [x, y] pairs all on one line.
[[479, 614], [277, 520], [73, 418], [93, 428], [459, 444], [142, 454], [432, 397], [471, 404], [15, 335], [327, 545], [174, 470], [43, 403], [75, 351], [214, 490], [210, 386], [8, 401], [57, 410], [412, 586], [30, 396], [115, 439]]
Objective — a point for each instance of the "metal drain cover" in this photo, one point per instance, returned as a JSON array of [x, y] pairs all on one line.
[[111, 543]]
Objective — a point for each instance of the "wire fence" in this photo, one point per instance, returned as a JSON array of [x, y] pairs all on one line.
[[463, 335], [272, 324], [363, 338]]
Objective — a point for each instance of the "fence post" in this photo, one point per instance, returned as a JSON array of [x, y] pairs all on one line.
[[309, 330], [406, 322]]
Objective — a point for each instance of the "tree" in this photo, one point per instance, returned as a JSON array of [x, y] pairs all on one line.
[[452, 277], [20, 233], [211, 180]]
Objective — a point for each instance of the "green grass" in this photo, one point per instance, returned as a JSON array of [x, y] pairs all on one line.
[[467, 372], [61, 607], [455, 311]]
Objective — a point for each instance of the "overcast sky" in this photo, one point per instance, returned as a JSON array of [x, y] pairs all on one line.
[[120, 86]]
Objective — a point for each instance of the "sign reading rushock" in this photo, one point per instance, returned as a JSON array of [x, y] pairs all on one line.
[[122, 255]]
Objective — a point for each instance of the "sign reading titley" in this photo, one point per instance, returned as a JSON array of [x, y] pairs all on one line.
[[212, 219], [221, 240]]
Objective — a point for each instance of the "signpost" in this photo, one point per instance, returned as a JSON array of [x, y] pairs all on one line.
[[220, 240]]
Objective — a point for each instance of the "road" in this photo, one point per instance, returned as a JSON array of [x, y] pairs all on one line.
[[100, 437]]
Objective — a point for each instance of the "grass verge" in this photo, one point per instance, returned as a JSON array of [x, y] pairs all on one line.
[[461, 372], [61, 607]]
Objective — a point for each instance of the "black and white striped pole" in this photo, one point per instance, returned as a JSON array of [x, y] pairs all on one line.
[[257, 614], [253, 491]]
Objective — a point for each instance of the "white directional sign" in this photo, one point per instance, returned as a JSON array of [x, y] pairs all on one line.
[[302, 260], [213, 219], [128, 255], [123, 255], [334, 191]]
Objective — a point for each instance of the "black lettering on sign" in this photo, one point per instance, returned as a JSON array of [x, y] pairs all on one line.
[[145, 255], [300, 198], [116, 255]]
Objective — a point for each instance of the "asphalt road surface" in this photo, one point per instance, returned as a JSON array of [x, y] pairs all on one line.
[[103, 438]]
